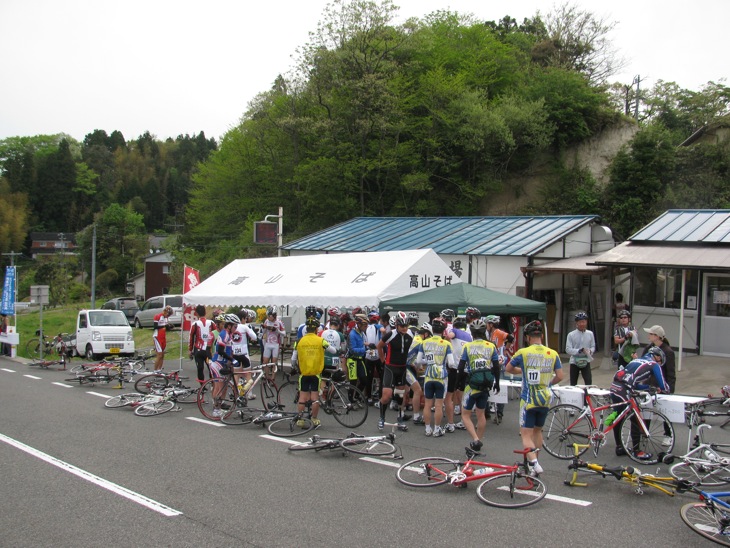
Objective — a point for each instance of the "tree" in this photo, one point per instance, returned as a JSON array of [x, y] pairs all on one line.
[[14, 219]]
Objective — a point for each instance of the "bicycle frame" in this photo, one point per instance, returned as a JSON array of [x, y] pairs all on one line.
[[472, 469], [590, 411]]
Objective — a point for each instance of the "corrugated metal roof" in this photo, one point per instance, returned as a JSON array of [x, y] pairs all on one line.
[[573, 265], [687, 226], [702, 256], [507, 236]]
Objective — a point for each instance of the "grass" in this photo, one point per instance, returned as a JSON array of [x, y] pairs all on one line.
[[63, 320]]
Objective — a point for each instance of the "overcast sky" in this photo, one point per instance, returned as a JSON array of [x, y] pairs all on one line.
[[172, 67]]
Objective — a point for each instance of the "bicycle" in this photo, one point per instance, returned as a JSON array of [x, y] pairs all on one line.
[[102, 372], [148, 405], [710, 517], [668, 485], [718, 406], [225, 395], [55, 347], [373, 446], [337, 397], [504, 486], [152, 381], [703, 464], [566, 425]]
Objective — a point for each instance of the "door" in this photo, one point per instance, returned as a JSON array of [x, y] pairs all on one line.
[[716, 315]]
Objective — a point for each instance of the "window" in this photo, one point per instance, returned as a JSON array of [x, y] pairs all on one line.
[[662, 287]]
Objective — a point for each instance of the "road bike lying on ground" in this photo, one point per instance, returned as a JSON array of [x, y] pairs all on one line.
[[710, 517], [646, 434], [504, 485], [705, 464], [155, 403], [382, 445]]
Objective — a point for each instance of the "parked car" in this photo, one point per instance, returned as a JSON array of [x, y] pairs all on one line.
[[145, 316], [102, 333], [128, 305]]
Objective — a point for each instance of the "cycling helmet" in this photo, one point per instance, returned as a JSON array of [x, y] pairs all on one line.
[[472, 313], [447, 314], [438, 325], [533, 328], [413, 318], [335, 320], [581, 316], [312, 324], [625, 313], [391, 321], [425, 326], [361, 318], [357, 310], [460, 322], [493, 319], [251, 315], [401, 319], [478, 325], [310, 312], [220, 318], [656, 351], [231, 318], [334, 311], [373, 315], [271, 311]]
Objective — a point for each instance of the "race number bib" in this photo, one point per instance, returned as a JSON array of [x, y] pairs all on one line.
[[480, 363], [430, 358], [371, 354], [533, 376], [336, 362]]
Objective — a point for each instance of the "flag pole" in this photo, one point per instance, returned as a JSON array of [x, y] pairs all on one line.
[[182, 318]]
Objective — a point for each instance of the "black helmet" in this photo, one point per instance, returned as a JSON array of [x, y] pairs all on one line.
[[310, 312], [581, 316], [271, 311], [312, 324], [625, 313], [472, 313], [656, 351], [438, 325], [447, 314], [533, 328]]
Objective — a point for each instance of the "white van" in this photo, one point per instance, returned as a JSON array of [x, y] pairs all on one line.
[[102, 333]]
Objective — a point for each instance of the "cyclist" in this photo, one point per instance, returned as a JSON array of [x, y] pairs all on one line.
[[480, 361], [356, 354], [456, 382], [336, 339], [201, 339], [625, 337], [373, 365], [636, 376], [436, 354], [239, 343], [540, 368], [273, 335], [159, 336], [309, 312], [503, 341], [393, 352], [223, 357], [308, 356], [580, 345]]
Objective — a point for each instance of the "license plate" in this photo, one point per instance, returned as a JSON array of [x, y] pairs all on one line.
[[114, 351]]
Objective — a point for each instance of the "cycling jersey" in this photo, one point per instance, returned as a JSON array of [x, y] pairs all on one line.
[[538, 364], [273, 332], [480, 355], [309, 354], [240, 337], [636, 375], [336, 340], [397, 345], [436, 353], [223, 348], [160, 333], [461, 337], [201, 335]]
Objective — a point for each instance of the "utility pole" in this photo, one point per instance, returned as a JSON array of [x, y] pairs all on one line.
[[637, 81], [93, 268]]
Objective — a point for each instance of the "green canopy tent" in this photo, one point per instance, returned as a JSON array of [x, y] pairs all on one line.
[[463, 295]]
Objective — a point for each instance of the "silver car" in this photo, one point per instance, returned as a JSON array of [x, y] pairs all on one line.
[[145, 316]]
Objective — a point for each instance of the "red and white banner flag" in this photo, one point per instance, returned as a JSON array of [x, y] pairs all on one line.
[[191, 278]]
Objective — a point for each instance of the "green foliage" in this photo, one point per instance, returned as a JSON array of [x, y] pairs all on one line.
[[569, 192]]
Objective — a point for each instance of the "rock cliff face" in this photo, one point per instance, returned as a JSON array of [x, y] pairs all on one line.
[[594, 154]]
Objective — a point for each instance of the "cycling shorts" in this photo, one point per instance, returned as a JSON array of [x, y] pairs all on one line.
[[456, 380], [480, 399], [534, 417], [308, 383], [243, 361], [271, 351], [394, 376], [434, 390]]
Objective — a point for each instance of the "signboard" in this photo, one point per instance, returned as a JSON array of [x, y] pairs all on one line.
[[265, 232], [39, 294], [8, 299]]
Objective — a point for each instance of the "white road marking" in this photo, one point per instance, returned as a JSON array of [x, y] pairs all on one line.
[[205, 421], [61, 384], [105, 396], [33, 377], [290, 441], [96, 480], [390, 463], [8, 370]]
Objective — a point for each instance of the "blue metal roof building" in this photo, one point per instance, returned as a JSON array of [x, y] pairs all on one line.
[[493, 236]]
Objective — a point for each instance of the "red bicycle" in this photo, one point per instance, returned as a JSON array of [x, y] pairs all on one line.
[[646, 434]]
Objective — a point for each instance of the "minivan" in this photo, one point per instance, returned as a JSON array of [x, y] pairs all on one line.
[[128, 305], [145, 316]]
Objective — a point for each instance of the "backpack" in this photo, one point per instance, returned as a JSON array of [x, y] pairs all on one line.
[[481, 379]]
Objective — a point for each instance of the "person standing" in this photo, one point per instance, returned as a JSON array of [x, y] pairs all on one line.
[[625, 338], [503, 341], [272, 335], [393, 352], [159, 336], [200, 341], [4, 324], [372, 361], [540, 368], [336, 339], [657, 337], [580, 346]]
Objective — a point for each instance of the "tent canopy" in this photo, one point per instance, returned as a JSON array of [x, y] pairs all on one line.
[[463, 295], [338, 279]]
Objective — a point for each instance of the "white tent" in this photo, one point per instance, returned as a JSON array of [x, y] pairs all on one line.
[[341, 279]]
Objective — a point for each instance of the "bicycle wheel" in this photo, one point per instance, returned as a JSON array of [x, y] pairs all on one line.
[[123, 400], [373, 446], [713, 411], [564, 426], [269, 394], [81, 379], [216, 397], [513, 490], [147, 384], [150, 409], [287, 396], [33, 349], [703, 519], [184, 394], [652, 448], [709, 474], [348, 405], [315, 445], [290, 426], [239, 416], [427, 472]]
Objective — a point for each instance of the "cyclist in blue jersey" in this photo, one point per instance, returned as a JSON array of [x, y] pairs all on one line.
[[540, 368]]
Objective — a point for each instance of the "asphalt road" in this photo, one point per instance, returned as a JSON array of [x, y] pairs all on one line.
[[204, 484]]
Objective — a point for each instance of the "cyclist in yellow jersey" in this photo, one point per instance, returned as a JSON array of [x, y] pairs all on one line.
[[436, 354], [540, 368], [309, 357], [480, 361]]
